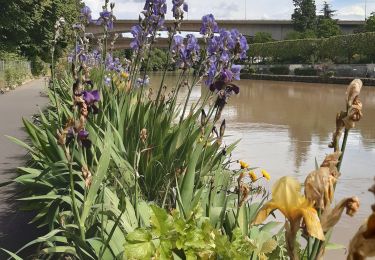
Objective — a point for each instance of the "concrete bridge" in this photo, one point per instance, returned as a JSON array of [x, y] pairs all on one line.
[[277, 28]]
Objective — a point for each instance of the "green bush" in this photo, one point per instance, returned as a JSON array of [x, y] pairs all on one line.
[[306, 72], [15, 76], [308, 50], [37, 66], [280, 70]]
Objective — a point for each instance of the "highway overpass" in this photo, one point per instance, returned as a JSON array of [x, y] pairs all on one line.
[[277, 28]]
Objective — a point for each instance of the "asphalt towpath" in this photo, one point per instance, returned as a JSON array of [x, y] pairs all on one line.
[[23, 102]]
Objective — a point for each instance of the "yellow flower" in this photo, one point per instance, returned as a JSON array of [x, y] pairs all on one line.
[[253, 176], [124, 75], [243, 165], [266, 175], [286, 197]]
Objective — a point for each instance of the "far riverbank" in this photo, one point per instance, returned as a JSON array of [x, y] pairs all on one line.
[[307, 79]]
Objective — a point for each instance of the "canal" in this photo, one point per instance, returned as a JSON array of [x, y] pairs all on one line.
[[284, 126]]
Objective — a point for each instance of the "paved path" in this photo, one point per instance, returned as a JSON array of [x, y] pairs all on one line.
[[22, 102]]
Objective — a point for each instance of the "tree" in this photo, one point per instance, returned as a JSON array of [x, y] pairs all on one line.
[[262, 37], [327, 26], [28, 26], [304, 16], [327, 11], [370, 23]]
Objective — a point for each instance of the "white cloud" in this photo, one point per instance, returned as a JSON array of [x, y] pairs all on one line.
[[235, 9], [354, 10]]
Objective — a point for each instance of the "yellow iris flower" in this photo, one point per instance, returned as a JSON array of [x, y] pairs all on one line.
[[243, 165], [286, 197], [266, 175]]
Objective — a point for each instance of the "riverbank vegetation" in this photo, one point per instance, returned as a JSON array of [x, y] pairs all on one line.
[[14, 70], [122, 169], [350, 48]]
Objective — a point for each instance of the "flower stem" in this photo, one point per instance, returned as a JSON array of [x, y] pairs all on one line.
[[343, 147]]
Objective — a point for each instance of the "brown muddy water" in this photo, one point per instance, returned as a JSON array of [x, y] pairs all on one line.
[[284, 126]]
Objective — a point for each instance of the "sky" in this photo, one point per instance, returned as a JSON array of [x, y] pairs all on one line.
[[241, 9]]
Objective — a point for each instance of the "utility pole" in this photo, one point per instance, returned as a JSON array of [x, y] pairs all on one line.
[[365, 10], [245, 11]]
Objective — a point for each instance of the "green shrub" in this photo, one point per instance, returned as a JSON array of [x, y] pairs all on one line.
[[306, 72], [37, 66], [280, 70], [306, 50]]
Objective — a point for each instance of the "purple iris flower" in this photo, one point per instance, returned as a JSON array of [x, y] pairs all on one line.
[[236, 70], [213, 45], [211, 74], [86, 14], [138, 34], [178, 12], [192, 43], [209, 25], [177, 43], [244, 47], [224, 82], [107, 80], [185, 54], [82, 137], [106, 18], [140, 82], [90, 98], [224, 56], [113, 64], [226, 75]]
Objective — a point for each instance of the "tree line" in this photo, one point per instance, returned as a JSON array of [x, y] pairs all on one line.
[[27, 27], [308, 24]]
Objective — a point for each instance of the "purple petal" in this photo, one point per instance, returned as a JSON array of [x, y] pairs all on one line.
[[83, 134], [218, 85], [233, 88]]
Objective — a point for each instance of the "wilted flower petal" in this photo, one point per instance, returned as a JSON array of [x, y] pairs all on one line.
[[354, 114], [331, 217], [353, 91], [319, 184], [362, 244]]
